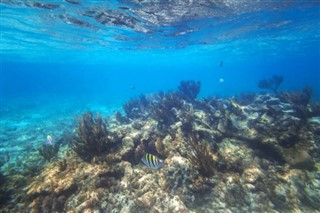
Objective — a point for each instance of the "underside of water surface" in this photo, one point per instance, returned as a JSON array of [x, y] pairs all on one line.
[[159, 106]]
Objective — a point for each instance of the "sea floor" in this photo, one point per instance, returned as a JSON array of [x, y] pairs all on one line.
[[25, 123], [251, 153]]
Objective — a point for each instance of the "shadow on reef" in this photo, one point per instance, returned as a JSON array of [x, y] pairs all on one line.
[[49, 151], [251, 153], [4, 196], [272, 84]]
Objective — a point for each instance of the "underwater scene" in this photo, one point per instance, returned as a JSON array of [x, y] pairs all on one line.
[[175, 106]]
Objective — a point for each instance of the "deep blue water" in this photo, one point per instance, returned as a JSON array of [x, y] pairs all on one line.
[[45, 52], [115, 81]]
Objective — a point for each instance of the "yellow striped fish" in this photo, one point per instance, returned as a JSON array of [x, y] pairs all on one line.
[[152, 161]]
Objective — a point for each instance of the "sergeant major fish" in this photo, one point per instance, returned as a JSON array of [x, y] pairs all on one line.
[[152, 161]]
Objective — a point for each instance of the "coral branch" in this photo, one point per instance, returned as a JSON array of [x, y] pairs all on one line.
[[198, 149], [49, 151], [163, 111], [135, 108], [92, 137], [199, 154]]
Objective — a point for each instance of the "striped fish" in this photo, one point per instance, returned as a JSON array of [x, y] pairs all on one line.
[[152, 161]]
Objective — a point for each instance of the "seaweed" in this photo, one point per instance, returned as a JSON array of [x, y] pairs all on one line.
[[300, 101], [49, 151], [120, 118], [164, 110], [298, 98], [198, 149], [93, 138], [62, 165], [4, 158], [200, 155], [135, 108], [2, 179], [189, 90], [2, 162], [132, 108], [5, 195], [272, 83]]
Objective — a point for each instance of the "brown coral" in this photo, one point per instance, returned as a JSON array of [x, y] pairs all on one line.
[[92, 137], [200, 155]]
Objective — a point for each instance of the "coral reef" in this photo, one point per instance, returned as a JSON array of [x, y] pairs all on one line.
[[252, 153]]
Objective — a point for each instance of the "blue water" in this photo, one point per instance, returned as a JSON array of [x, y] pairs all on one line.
[[45, 53], [73, 53]]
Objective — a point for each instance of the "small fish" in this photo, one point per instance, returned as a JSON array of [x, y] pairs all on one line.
[[50, 140], [124, 8], [152, 161], [132, 87], [221, 63]]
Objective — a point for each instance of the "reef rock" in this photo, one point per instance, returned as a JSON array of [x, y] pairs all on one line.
[[256, 154]]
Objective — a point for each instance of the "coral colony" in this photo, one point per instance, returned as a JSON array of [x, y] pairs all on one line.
[[172, 152]]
